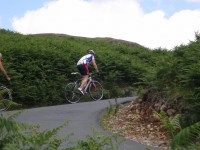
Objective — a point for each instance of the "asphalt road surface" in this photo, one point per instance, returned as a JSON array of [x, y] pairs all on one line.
[[83, 118]]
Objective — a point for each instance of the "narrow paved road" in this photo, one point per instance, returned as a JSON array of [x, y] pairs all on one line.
[[82, 116]]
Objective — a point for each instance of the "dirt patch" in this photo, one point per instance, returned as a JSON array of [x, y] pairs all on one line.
[[139, 125]]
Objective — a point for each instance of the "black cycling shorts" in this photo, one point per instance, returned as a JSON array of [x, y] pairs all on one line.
[[82, 69]]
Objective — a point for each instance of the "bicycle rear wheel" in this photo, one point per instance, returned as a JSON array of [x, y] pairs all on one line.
[[71, 93], [5, 98], [96, 90]]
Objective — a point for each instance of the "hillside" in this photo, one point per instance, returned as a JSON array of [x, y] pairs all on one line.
[[106, 39], [166, 114], [42, 63], [40, 66]]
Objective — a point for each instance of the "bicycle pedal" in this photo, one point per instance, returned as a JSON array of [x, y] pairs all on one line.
[[81, 92]]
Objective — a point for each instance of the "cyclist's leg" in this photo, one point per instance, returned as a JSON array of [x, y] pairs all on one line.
[[82, 69], [84, 81]]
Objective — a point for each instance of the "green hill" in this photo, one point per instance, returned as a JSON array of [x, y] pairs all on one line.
[[40, 65]]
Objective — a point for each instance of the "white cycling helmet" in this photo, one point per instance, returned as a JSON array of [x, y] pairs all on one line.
[[90, 52]]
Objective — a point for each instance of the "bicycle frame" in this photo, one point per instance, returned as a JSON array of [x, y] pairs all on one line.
[[93, 87]]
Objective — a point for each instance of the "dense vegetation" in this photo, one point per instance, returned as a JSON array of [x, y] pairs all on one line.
[[40, 66], [174, 82]]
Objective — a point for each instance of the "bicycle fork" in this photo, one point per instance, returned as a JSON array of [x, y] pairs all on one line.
[[93, 85]]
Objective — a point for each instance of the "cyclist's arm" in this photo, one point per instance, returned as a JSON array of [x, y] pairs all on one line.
[[95, 65], [4, 71]]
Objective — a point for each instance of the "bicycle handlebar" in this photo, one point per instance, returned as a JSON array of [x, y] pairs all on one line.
[[77, 73]]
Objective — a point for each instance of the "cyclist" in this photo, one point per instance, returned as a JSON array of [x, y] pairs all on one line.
[[82, 66], [2, 69]]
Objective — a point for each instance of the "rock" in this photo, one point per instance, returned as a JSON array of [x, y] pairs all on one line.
[[137, 105], [140, 100], [149, 111], [137, 111], [133, 108], [163, 107], [148, 126], [161, 143], [157, 106], [171, 112]]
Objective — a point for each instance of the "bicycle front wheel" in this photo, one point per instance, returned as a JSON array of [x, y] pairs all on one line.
[[71, 93], [5, 98], [96, 90]]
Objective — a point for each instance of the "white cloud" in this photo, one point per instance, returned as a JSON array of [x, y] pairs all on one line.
[[121, 19]]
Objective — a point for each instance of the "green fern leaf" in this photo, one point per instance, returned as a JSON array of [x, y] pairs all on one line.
[[186, 136]]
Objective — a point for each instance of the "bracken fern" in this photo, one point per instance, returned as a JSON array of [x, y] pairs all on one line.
[[187, 137]]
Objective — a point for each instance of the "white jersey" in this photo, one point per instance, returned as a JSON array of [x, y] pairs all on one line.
[[85, 59]]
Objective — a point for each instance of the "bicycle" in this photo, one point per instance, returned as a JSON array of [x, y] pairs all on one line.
[[5, 98], [93, 87]]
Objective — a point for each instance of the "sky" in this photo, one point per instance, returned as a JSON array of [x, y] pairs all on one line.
[[151, 23]]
